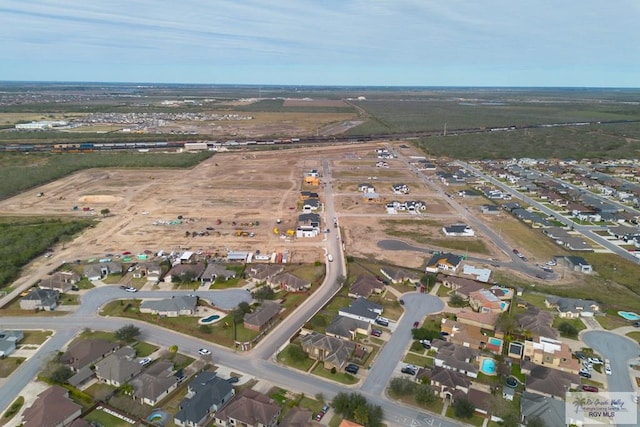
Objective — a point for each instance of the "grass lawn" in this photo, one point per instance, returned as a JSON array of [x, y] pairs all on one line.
[[112, 279], [69, 299], [474, 420], [102, 418], [611, 321], [35, 337], [143, 349], [12, 410], [335, 421], [576, 323], [435, 407], [414, 359], [392, 308], [341, 377], [285, 357], [100, 391], [634, 336], [9, 364], [89, 334]]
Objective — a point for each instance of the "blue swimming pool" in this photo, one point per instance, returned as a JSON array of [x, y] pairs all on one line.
[[488, 366], [495, 341], [209, 319], [629, 315]]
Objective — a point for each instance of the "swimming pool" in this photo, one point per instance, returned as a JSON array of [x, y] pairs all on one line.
[[629, 315], [488, 366], [209, 319], [495, 341]]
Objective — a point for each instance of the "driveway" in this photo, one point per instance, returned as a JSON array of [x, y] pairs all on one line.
[[619, 350]]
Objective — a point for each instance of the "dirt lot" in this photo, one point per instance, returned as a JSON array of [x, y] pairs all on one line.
[[230, 192]]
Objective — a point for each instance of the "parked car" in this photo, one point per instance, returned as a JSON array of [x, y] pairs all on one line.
[[401, 301], [594, 361], [580, 355], [376, 332], [144, 361], [204, 352], [131, 289], [607, 370], [233, 380], [407, 370], [123, 287], [326, 408], [319, 416], [352, 368], [584, 374], [590, 388], [382, 321]]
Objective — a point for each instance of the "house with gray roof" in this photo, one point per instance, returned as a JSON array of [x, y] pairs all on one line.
[[181, 270], [8, 341], [347, 327], [362, 309], [299, 417], [263, 316], [446, 381], [333, 352], [151, 270], [537, 322], [576, 263], [455, 357], [206, 394], [86, 352], [215, 271], [180, 305], [40, 299], [573, 307], [399, 275], [263, 272], [118, 368], [443, 262], [249, 409], [98, 271], [155, 383], [548, 381], [549, 410], [289, 282], [61, 281]]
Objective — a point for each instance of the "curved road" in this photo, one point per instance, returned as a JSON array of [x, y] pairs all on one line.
[[619, 350]]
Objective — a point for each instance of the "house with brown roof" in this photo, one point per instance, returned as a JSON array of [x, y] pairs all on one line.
[[333, 352], [119, 367], [61, 281], [484, 301], [249, 409], [550, 352], [455, 357], [399, 275], [536, 322], [460, 285], [548, 381], [52, 408], [87, 352], [463, 334], [263, 272], [299, 417], [215, 271], [177, 305], [289, 282], [364, 286], [263, 316], [181, 270], [445, 382], [481, 400], [155, 383], [481, 320]]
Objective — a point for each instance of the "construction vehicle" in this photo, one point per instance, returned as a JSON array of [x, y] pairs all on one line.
[[291, 232], [276, 231]]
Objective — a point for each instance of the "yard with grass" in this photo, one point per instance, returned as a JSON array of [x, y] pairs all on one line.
[[341, 377], [414, 359], [102, 418], [143, 349], [291, 357], [9, 364], [634, 336], [35, 337], [475, 420]]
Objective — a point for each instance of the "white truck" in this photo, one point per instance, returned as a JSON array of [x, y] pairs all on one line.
[[330, 258]]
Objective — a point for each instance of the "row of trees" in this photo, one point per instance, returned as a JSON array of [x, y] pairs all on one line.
[[355, 407]]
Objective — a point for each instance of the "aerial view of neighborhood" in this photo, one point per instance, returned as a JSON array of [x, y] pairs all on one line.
[[244, 256]]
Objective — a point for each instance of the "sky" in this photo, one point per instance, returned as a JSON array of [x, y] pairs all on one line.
[[565, 43]]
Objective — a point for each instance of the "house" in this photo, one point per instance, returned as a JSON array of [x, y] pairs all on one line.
[[52, 408], [119, 367], [310, 205], [155, 383], [455, 357], [215, 271], [333, 352], [263, 272], [364, 286], [400, 188], [263, 316], [446, 382], [347, 328], [304, 195], [61, 281], [151, 270], [87, 352], [249, 409], [399, 275], [548, 381], [572, 307], [479, 274], [484, 301], [181, 305], [458, 230], [536, 322], [481, 320], [577, 263], [311, 180], [490, 209], [206, 395], [481, 401], [370, 196], [8, 341], [460, 285], [467, 335], [362, 309], [508, 393], [289, 282], [550, 352], [98, 271], [549, 410], [182, 270], [365, 187], [40, 299], [443, 262]]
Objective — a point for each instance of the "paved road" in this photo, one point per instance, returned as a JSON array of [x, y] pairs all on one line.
[[620, 351]]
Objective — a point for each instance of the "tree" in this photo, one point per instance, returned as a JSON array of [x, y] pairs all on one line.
[[105, 212], [263, 293], [401, 386], [127, 333], [568, 330], [319, 397], [462, 408], [428, 280], [61, 374], [457, 301], [425, 334], [126, 389], [296, 353], [425, 394], [173, 349]]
